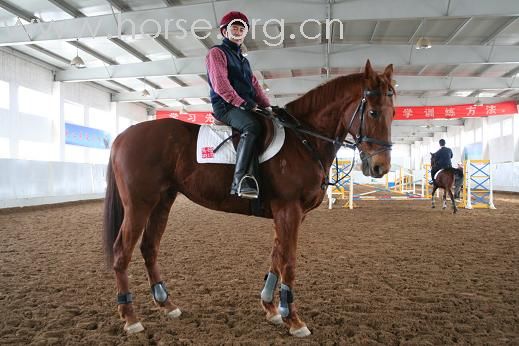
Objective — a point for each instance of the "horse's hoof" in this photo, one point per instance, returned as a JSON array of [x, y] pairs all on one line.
[[174, 313], [275, 319], [301, 332], [133, 328]]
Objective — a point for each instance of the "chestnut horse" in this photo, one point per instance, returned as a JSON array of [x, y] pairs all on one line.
[[153, 161], [447, 179]]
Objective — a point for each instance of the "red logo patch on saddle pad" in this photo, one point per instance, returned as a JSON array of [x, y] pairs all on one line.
[[207, 152]]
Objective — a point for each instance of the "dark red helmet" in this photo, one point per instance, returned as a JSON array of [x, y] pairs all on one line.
[[230, 16]]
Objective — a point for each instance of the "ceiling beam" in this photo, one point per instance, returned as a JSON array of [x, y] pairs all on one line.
[[373, 33], [130, 49], [178, 81], [67, 8], [343, 56], [499, 30], [27, 16], [49, 53], [456, 32], [72, 11], [93, 52], [150, 83], [512, 73], [172, 2], [288, 10], [417, 30], [120, 5], [160, 39], [299, 85]]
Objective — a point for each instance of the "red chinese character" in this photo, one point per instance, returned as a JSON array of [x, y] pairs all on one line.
[[207, 152]]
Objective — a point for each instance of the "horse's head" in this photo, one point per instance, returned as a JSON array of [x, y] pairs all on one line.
[[376, 115]]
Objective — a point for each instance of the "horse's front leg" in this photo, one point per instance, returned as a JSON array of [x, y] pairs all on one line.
[[432, 196], [287, 220]]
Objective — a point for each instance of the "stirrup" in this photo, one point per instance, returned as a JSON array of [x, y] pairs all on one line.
[[247, 194]]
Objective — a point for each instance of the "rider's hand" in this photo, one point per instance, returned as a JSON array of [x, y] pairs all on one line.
[[249, 106]]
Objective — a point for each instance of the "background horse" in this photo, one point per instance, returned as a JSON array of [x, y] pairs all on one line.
[[153, 161], [447, 179]]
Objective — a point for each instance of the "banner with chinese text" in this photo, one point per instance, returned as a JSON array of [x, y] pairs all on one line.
[[191, 117], [86, 136], [401, 113], [455, 111]]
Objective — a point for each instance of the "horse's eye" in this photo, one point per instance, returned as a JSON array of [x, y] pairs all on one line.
[[373, 113]]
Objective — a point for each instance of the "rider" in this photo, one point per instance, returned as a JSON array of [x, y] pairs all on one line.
[[443, 159], [235, 95]]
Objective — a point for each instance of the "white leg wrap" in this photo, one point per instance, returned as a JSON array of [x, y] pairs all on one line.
[[267, 294]]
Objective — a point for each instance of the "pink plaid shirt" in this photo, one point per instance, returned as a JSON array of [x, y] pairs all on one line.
[[216, 62]]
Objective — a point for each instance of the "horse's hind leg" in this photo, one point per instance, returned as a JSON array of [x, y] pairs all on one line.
[[150, 250], [271, 284], [454, 208], [135, 218], [444, 199]]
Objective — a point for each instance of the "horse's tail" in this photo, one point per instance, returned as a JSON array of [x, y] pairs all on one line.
[[458, 172], [113, 214]]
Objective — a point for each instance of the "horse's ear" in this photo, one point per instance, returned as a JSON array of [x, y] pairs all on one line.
[[368, 71], [388, 72]]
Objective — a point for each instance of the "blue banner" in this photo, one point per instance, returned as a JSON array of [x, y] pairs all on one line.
[[473, 151], [86, 136]]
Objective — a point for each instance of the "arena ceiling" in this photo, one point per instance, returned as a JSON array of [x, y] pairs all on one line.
[[474, 54]]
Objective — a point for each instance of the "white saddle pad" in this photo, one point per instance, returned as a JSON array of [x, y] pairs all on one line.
[[210, 136]]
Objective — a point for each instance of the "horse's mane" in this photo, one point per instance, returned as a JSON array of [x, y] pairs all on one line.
[[320, 96]]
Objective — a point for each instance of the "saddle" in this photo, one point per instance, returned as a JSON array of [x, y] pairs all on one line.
[[213, 143]]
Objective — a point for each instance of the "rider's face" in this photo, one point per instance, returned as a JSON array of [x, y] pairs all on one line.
[[236, 33]]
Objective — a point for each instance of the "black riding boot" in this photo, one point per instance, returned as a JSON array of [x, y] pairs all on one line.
[[433, 173], [244, 184]]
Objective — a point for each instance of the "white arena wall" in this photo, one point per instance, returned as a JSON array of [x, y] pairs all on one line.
[[493, 138], [36, 166]]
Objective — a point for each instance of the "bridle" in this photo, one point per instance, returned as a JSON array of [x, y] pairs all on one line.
[[300, 130]]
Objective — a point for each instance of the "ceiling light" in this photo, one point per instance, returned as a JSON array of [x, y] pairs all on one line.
[[77, 62], [478, 103], [145, 92], [423, 43]]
